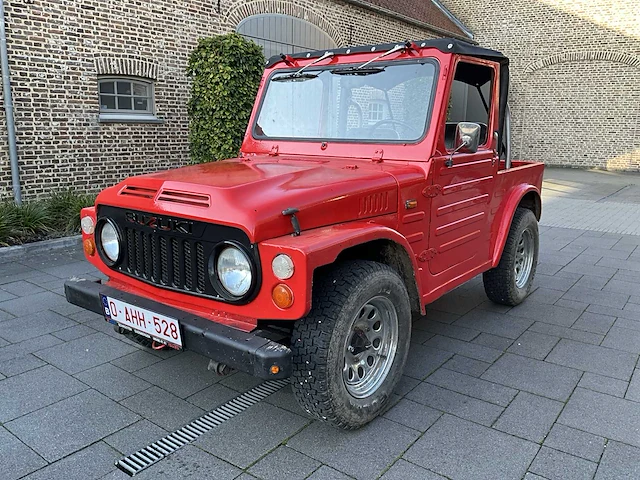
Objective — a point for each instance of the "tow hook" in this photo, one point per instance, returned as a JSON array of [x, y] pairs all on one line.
[[221, 369], [120, 330]]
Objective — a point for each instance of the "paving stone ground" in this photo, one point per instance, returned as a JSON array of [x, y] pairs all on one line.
[[549, 389], [592, 200]]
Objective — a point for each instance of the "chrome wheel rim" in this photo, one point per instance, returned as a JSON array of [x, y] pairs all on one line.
[[524, 258], [370, 347]]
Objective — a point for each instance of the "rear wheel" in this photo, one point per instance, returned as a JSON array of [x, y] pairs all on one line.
[[510, 282], [349, 352]]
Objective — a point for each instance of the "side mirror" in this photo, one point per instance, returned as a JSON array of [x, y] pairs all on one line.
[[467, 137], [467, 140]]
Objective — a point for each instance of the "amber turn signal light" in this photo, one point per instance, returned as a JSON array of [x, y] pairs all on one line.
[[409, 204], [282, 296], [274, 369], [89, 247]]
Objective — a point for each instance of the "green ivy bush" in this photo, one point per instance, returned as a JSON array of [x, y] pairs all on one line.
[[225, 71]]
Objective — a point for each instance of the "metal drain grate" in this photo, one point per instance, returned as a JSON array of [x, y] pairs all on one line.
[[147, 456]]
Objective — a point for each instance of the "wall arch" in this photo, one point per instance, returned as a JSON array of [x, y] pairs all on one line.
[[129, 66], [256, 7], [277, 33], [571, 112], [583, 56]]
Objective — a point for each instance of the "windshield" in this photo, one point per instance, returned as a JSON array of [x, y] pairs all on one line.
[[386, 103]]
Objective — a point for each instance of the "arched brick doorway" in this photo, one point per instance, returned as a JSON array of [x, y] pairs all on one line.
[[572, 113], [277, 33]]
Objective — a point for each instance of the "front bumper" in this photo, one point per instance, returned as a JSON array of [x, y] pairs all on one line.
[[244, 351]]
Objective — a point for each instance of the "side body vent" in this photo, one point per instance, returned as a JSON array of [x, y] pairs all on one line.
[[142, 192], [193, 199], [374, 204]]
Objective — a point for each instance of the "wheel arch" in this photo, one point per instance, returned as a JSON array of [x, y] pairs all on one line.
[[533, 202], [322, 247], [520, 196], [391, 253]]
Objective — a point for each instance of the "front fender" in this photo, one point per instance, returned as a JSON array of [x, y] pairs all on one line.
[[321, 246], [502, 220]]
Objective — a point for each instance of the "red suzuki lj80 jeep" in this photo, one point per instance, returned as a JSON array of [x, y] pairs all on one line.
[[371, 181]]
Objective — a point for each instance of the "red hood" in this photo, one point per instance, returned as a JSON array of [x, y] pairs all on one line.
[[252, 194]]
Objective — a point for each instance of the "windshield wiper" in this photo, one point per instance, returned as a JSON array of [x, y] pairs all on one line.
[[397, 48], [295, 77], [357, 71], [299, 75], [360, 70]]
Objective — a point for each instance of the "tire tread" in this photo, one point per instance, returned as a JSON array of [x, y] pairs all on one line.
[[312, 335], [499, 284]]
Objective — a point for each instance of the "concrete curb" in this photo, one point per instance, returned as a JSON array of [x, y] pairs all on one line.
[[17, 251]]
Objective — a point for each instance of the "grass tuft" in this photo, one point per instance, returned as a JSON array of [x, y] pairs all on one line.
[[57, 216], [32, 218], [7, 221], [64, 209]]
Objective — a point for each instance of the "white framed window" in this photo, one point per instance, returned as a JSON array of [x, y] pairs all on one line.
[[376, 112], [126, 99]]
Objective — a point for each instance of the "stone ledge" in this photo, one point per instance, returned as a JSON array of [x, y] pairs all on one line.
[[17, 251]]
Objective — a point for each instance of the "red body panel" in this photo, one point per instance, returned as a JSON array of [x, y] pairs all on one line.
[[251, 194], [511, 186], [452, 221]]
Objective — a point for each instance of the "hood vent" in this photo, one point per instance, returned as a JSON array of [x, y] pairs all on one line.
[[141, 192], [193, 199]]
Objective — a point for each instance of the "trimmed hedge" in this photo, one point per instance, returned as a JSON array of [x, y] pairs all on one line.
[[225, 71]]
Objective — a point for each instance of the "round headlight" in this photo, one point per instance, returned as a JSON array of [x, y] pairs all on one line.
[[110, 241], [234, 271], [282, 266]]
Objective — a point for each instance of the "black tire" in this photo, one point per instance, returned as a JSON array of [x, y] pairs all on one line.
[[500, 283], [319, 342]]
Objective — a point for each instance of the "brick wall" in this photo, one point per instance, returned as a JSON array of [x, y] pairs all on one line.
[[58, 47], [575, 67]]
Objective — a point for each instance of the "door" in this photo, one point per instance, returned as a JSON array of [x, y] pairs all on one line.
[[459, 232], [277, 33]]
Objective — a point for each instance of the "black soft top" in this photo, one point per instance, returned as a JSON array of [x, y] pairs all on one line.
[[446, 45]]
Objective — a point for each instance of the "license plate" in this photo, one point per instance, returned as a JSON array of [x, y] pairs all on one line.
[[158, 327]]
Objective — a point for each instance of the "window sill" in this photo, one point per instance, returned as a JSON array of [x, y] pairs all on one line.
[[124, 118]]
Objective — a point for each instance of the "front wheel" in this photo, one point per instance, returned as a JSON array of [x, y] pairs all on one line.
[[510, 282], [349, 352]]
